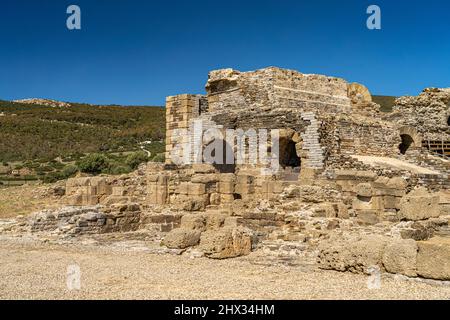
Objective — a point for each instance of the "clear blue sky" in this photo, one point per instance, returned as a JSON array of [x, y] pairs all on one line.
[[137, 52]]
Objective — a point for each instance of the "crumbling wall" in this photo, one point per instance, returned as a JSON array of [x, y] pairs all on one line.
[[274, 88], [428, 113], [366, 137]]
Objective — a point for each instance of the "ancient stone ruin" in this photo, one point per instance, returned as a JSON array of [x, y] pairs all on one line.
[[356, 187]]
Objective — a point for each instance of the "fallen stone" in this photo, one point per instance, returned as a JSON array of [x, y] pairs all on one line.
[[181, 238], [418, 205], [433, 258], [193, 222], [400, 256], [354, 254], [226, 243]]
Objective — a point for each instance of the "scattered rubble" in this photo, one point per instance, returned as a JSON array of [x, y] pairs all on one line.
[[357, 190]]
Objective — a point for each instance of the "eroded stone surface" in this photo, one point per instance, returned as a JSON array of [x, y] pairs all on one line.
[[433, 258]]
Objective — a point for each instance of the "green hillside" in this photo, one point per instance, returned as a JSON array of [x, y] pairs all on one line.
[[44, 141], [40, 132]]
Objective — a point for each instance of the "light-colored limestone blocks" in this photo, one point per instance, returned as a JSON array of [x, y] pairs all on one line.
[[157, 189], [86, 191], [419, 204]]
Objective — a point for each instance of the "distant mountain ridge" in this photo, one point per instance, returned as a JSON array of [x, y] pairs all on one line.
[[44, 102]]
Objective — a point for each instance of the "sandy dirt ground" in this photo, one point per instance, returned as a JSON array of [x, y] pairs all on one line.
[[39, 271], [26, 199]]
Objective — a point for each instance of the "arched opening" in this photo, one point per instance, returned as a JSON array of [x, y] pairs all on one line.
[[407, 141], [448, 121], [226, 162], [288, 154]]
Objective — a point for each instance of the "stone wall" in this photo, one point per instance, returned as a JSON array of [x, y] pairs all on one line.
[[274, 88], [180, 110], [428, 113]]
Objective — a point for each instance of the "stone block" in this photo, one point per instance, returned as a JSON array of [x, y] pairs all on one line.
[[244, 189], [181, 238], [214, 199], [419, 205], [356, 255], [158, 195], [355, 175], [89, 200], [74, 200], [400, 256], [391, 202], [433, 258], [214, 220], [226, 243], [203, 168], [193, 222], [368, 203], [342, 210], [183, 188], [368, 217], [227, 177], [119, 191], [196, 203], [196, 189], [244, 179], [226, 198], [363, 189], [226, 187], [205, 178], [275, 187]]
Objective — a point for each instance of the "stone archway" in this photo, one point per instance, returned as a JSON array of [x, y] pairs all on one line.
[[407, 142], [410, 139], [290, 149], [288, 153]]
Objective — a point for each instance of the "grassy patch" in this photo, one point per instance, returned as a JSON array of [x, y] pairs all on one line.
[[386, 102]]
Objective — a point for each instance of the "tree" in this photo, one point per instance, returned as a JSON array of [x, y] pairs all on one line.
[[135, 159], [94, 163]]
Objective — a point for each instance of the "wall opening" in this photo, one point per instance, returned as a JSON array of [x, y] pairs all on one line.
[[407, 142], [222, 166], [237, 196], [448, 121], [288, 154]]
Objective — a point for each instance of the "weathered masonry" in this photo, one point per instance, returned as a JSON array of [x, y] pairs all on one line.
[[362, 187]]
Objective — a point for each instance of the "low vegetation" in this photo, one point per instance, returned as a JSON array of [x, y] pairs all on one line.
[[41, 142], [386, 102]]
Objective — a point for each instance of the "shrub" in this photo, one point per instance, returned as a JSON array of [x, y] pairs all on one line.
[[46, 168], [160, 157], [30, 178], [69, 171], [119, 169], [56, 165], [31, 165], [52, 177], [135, 159], [94, 163]]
